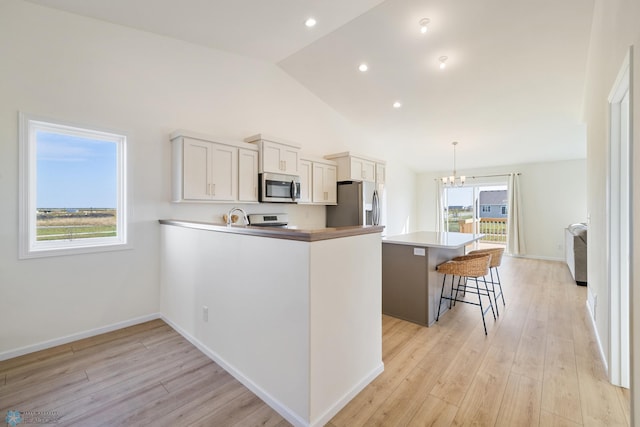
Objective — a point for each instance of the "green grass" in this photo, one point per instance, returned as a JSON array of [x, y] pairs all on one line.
[[75, 232]]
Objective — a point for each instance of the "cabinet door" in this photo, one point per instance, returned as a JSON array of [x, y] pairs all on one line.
[[271, 161], [224, 170], [196, 161], [247, 175], [290, 160], [363, 169], [381, 173], [324, 184], [318, 183], [306, 189], [331, 184]]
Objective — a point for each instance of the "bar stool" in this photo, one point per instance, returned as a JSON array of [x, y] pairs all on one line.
[[496, 260], [467, 267]]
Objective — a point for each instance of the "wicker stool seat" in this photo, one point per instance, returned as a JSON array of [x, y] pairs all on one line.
[[496, 260], [467, 267]]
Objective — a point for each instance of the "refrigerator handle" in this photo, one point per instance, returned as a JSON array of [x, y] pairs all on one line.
[[376, 208]]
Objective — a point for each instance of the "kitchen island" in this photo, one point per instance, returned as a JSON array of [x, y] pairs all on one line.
[[294, 314], [410, 283]]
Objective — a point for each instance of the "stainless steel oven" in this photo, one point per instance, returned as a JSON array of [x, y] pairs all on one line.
[[279, 188]]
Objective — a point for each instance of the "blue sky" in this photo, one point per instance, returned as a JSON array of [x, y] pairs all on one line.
[[75, 172]]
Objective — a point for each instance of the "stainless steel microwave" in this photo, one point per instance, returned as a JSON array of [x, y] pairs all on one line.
[[279, 188]]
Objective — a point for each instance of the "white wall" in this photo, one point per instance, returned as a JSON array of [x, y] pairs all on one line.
[[77, 69], [614, 29], [553, 196]]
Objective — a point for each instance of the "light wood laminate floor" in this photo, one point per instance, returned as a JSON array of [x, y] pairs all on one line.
[[539, 365]]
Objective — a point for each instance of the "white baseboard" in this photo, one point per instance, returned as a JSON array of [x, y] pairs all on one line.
[[341, 403], [75, 337], [266, 397], [595, 331]]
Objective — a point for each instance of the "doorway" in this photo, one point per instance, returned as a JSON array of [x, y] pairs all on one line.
[[619, 225], [478, 208]]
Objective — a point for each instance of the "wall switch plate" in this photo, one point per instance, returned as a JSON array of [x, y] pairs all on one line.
[[205, 313], [419, 252]]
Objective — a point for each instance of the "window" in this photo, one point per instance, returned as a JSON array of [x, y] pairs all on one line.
[[72, 189], [504, 210], [486, 208]]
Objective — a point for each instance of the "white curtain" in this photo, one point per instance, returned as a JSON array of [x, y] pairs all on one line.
[[515, 225], [439, 206]]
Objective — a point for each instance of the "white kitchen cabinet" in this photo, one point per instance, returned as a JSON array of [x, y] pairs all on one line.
[[324, 184], [247, 175], [381, 173], [276, 156], [209, 170], [357, 167], [363, 169], [306, 178]]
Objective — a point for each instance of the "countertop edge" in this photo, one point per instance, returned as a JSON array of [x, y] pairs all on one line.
[[311, 235], [427, 244]]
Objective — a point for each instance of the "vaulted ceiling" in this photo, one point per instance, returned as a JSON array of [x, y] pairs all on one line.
[[511, 92]]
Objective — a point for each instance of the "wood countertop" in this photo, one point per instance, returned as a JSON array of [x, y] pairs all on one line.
[[287, 233]]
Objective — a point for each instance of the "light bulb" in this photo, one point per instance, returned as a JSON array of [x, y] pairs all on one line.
[[363, 67], [397, 104], [310, 22], [443, 62], [424, 25]]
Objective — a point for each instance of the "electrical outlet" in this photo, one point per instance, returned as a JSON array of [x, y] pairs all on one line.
[[205, 313]]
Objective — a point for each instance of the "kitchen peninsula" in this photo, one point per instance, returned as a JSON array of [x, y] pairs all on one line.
[[294, 314], [410, 283]]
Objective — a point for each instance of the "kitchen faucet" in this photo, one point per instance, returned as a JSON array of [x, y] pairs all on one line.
[[244, 215]]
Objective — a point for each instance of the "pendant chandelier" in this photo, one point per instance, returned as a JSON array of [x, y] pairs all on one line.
[[453, 180]]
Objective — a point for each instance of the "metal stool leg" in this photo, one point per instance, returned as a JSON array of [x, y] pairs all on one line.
[[489, 296], [480, 304], [444, 280], [493, 290], [499, 284]]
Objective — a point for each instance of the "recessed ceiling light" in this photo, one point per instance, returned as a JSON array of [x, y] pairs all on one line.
[[397, 104], [424, 25], [443, 62], [310, 22], [363, 67]]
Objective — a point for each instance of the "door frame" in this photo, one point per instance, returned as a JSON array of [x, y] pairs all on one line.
[[620, 151]]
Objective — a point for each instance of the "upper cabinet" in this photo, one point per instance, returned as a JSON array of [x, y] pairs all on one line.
[[276, 155], [207, 170], [358, 168], [318, 181], [362, 169], [306, 181], [247, 175], [325, 184], [381, 173]]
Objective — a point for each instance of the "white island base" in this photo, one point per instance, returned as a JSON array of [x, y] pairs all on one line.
[[297, 322]]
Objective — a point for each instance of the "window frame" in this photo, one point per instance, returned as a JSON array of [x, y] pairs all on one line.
[[29, 246]]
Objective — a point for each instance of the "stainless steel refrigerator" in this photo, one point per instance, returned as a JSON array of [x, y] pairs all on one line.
[[358, 204]]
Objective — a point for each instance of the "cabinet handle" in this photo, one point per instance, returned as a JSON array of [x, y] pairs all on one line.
[[213, 186], [208, 189]]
